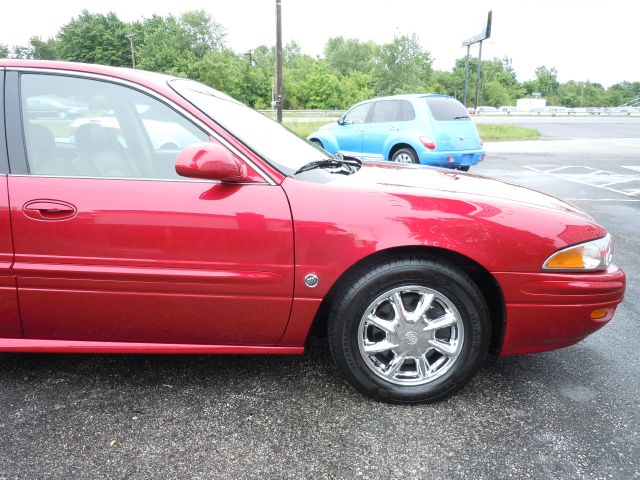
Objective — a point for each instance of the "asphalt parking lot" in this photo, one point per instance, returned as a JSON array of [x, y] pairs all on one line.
[[571, 413], [564, 127]]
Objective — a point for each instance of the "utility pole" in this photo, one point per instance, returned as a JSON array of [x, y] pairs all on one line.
[[131, 36], [278, 61], [478, 75], [249, 54]]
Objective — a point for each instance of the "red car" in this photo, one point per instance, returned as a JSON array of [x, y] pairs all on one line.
[[249, 238]]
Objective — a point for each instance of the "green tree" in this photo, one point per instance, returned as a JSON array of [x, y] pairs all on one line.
[[404, 67], [495, 94], [622, 93], [351, 55], [21, 52], [594, 95], [202, 33], [499, 85], [296, 69], [221, 70], [257, 88], [453, 83], [321, 88], [163, 46], [571, 94], [447, 83], [546, 83], [95, 38], [353, 88], [4, 50], [44, 50], [175, 45], [582, 94]]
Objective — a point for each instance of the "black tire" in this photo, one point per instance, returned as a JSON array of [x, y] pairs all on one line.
[[317, 142], [402, 155], [464, 168], [349, 308]]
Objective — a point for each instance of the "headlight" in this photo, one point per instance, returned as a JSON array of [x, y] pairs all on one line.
[[589, 256]]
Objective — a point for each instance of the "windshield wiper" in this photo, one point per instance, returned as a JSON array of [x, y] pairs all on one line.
[[460, 117], [346, 166]]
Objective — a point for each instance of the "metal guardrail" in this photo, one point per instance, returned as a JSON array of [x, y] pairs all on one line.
[[556, 114], [303, 116], [331, 115], [306, 113]]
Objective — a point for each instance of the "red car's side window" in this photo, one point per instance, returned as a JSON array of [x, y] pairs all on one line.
[[79, 127]]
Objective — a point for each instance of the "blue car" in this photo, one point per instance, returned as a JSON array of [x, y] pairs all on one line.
[[427, 129]]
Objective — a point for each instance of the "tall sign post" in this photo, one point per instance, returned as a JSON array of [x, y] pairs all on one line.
[[466, 77], [478, 74], [278, 99], [478, 38]]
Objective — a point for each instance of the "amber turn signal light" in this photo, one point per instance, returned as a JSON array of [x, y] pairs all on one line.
[[599, 313]]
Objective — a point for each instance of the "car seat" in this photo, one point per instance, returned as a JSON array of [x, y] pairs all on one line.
[[100, 153], [41, 151]]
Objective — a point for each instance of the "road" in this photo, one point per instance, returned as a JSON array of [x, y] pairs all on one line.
[[563, 128], [571, 413]]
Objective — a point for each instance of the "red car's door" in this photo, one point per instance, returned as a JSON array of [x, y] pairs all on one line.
[[112, 246], [9, 317]]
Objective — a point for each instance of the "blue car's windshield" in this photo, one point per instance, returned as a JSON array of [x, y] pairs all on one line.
[[279, 146]]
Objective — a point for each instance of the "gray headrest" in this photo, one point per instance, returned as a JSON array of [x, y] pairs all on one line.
[[92, 138], [41, 140]]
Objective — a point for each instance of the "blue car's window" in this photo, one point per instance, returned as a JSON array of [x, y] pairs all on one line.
[[446, 108], [392, 111], [357, 114], [386, 111], [406, 111]]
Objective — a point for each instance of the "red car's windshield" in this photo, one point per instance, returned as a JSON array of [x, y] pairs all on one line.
[[275, 143]]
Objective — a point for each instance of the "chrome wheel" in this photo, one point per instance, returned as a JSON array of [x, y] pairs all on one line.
[[403, 157], [410, 335]]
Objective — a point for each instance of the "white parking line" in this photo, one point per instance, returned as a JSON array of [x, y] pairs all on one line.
[[602, 199], [595, 172], [594, 177], [620, 181], [560, 168]]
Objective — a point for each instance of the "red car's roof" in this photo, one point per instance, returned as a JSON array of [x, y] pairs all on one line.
[[155, 81], [138, 76]]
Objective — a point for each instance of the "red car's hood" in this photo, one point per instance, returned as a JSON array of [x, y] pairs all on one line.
[[390, 175]]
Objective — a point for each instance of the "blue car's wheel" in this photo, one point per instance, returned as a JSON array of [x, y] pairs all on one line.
[[317, 142], [405, 155]]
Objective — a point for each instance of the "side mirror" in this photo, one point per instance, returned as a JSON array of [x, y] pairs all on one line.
[[341, 120], [210, 161]]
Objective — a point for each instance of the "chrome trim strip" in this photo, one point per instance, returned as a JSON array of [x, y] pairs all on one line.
[[186, 180], [155, 95]]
